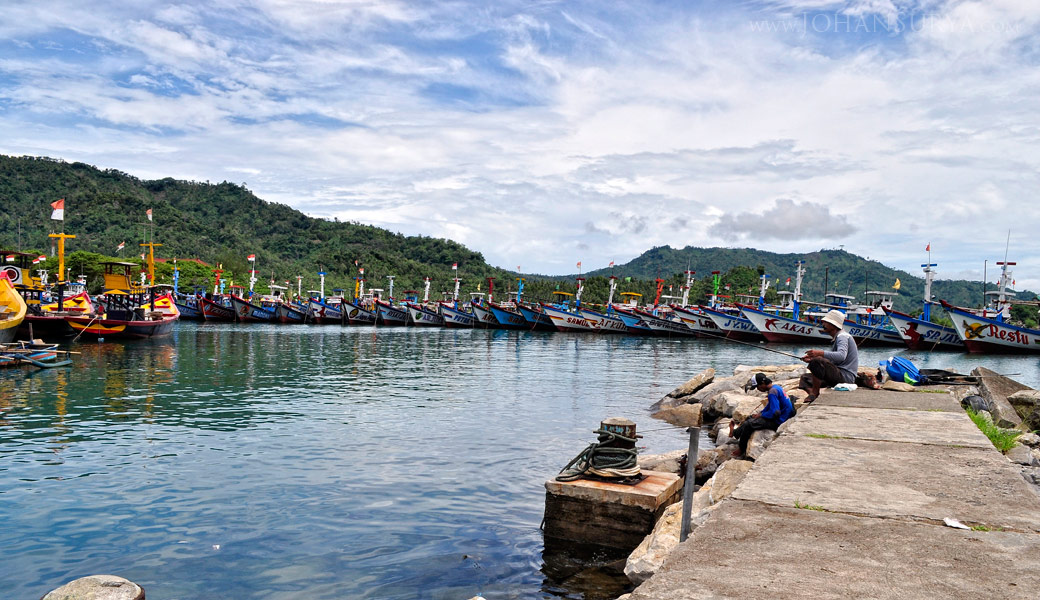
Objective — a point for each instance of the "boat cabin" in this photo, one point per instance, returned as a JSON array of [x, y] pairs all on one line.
[[786, 300], [877, 299], [376, 293], [238, 291], [839, 300], [411, 295], [562, 299], [631, 299], [18, 268]]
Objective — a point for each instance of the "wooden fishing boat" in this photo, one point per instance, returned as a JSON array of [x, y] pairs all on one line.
[[455, 317], [47, 321], [507, 316], [359, 313], [661, 326], [247, 312], [990, 335], [288, 313], [567, 320], [37, 354], [604, 323], [633, 322], [324, 313], [213, 309], [122, 321], [696, 320], [733, 324], [482, 316], [921, 333], [419, 314], [782, 329], [390, 315], [190, 307], [536, 318], [12, 309]]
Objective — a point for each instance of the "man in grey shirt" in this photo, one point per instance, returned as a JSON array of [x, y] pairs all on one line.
[[828, 368]]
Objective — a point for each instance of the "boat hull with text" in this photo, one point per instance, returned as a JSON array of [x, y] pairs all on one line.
[[984, 335]]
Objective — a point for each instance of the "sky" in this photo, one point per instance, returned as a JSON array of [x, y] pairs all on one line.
[[544, 133]]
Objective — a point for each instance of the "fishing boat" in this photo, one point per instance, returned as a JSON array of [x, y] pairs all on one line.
[[507, 315], [390, 314], [423, 313], [37, 354], [660, 325], [605, 322], [732, 323], [694, 317], [129, 311], [989, 330], [12, 309], [867, 323], [454, 317], [920, 333], [289, 313], [565, 318], [482, 316], [47, 321], [215, 309], [190, 307], [248, 312], [324, 312]]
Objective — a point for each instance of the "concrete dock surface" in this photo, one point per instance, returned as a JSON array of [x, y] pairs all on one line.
[[850, 502]]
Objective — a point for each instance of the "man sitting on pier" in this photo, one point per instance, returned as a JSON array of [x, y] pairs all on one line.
[[778, 409], [828, 368]]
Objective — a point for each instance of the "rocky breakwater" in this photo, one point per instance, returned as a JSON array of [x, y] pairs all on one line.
[[722, 403]]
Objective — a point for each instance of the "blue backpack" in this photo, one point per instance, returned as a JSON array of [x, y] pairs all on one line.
[[900, 369]]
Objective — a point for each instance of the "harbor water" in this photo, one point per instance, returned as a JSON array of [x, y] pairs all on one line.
[[284, 462]]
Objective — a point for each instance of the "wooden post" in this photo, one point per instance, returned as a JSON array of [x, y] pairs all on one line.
[[61, 237]]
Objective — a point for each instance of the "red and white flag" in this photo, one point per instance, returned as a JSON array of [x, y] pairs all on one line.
[[251, 258], [928, 248], [9, 258], [120, 246], [579, 264], [611, 264], [455, 266], [361, 271], [142, 256], [59, 210], [39, 259], [149, 214], [788, 282], [518, 268]]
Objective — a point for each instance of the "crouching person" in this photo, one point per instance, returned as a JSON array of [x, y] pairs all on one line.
[[777, 410], [828, 368]]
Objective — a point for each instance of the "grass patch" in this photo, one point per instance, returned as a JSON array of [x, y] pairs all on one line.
[[932, 391], [825, 436], [804, 506], [985, 528], [1003, 439]]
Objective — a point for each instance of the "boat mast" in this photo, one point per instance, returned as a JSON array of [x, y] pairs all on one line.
[[361, 273], [577, 295], [426, 291], [252, 275], [929, 275], [391, 294], [321, 276], [799, 274], [491, 289], [686, 288], [613, 286], [716, 280], [660, 288], [299, 286], [762, 287]]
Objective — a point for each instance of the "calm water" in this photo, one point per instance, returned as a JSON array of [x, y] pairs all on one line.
[[325, 462]]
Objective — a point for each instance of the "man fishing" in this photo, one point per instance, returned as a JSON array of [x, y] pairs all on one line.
[[828, 368], [777, 410]]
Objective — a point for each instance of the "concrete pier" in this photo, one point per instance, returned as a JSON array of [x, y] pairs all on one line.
[[850, 502]]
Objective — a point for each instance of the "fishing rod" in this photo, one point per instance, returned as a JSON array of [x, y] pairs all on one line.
[[723, 337]]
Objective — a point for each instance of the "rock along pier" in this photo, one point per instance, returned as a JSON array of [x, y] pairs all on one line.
[[867, 494]]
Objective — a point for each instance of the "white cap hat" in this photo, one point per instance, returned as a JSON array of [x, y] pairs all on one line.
[[834, 317]]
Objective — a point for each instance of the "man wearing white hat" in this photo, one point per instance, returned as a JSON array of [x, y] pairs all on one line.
[[828, 368]]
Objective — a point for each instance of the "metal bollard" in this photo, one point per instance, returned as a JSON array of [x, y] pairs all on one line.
[[688, 485]]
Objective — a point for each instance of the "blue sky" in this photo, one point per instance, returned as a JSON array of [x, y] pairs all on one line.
[[544, 133]]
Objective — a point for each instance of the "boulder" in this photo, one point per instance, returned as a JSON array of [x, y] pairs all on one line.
[[695, 383], [995, 389], [722, 438], [686, 415], [769, 370], [1023, 455], [648, 557], [1027, 405], [746, 408], [1029, 439], [897, 386], [758, 443], [97, 587], [797, 395], [726, 402], [667, 462], [716, 387]]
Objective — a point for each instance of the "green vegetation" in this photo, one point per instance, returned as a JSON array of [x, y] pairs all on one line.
[[825, 436], [985, 528], [222, 223], [802, 505], [1003, 439]]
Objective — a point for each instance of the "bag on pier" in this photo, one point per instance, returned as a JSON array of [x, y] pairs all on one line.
[[900, 369]]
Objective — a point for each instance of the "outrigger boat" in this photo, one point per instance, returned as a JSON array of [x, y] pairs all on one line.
[[125, 315], [37, 354], [563, 317], [989, 330], [921, 333]]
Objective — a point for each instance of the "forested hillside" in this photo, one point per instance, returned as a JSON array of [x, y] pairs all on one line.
[[222, 223]]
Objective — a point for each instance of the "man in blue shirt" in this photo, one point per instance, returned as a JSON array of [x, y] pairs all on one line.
[[778, 409]]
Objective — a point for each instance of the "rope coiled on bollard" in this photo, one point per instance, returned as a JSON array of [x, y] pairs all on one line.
[[602, 460]]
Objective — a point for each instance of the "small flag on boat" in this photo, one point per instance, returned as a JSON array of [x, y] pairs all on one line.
[[59, 210], [611, 264], [39, 259], [9, 258], [120, 246], [361, 270], [896, 285], [142, 256], [455, 266], [149, 214], [788, 282], [356, 262], [518, 268], [579, 264], [928, 248], [251, 258]]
